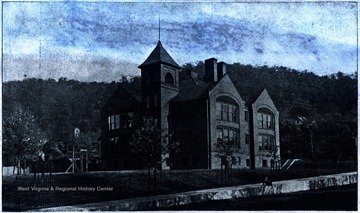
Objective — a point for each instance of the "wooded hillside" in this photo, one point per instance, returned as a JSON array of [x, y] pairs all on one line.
[[329, 104]]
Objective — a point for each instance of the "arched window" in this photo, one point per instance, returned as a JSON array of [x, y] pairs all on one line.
[[227, 109], [265, 119], [169, 79]]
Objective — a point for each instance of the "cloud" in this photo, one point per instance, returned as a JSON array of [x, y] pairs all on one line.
[[334, 20], [24, 46], [320, 37], [91, 69]]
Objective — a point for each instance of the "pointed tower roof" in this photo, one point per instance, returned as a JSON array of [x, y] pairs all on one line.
[[159, 54]]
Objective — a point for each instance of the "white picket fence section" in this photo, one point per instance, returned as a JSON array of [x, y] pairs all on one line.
[[12, 170]]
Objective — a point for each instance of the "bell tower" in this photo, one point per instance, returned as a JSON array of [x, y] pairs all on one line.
[[159, 84]]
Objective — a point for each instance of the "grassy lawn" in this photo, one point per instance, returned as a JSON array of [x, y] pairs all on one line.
[[124, 185]]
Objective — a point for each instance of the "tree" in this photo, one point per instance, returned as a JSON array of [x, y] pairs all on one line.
[[22, 137], [154, 144], [226, 151], [291, 141]]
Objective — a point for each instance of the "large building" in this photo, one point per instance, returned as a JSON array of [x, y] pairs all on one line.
[[201, 113]]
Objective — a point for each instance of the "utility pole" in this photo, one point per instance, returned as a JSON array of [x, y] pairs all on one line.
[[76, 136], [73, 158], [87, 165], [82, 160]]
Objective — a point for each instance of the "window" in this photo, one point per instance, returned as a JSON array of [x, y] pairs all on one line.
[[114, 122], [227, 135], [232, 112], [114, 144], [260, 143], [265, 120], [246, 115], [130, 119], [219, 134], [218, 111], [155, 100], [239, 161], [248, 162], [119, 143], [247, 139], [120, 121], [226, 111], [264, 163], [266, 142], [117, 121], [147, 102], [169, 79], [234, 137]]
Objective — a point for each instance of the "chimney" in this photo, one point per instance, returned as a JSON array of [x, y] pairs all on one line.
[[211, 70], [221, 70]]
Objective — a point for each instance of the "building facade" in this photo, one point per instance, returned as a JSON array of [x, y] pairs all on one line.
[[200, 113]]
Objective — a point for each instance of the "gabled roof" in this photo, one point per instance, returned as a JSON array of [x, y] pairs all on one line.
[[123, 97], [264, 97], [159, 54], [191, 89], [133, 90], [251, 98]]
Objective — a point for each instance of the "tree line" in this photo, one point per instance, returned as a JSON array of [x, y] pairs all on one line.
[[56, 107]]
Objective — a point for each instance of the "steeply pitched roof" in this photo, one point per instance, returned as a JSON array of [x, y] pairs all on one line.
[[262, 96], [251, 98], [123, 97], [191, 89], [133, 90], [159, 54]]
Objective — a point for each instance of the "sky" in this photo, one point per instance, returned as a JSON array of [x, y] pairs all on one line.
[[100, 41]]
